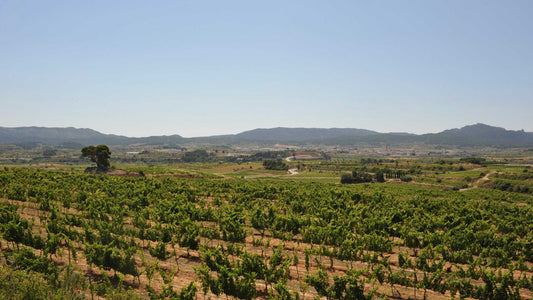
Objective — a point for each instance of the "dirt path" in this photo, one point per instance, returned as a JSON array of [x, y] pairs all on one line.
[[476, 183]]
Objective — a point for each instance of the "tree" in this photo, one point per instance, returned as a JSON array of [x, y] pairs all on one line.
[[196, 156], [49, 152], [346, 178], [99, 154], [271, 164], [361, 177], [380, 177], [356, 177]]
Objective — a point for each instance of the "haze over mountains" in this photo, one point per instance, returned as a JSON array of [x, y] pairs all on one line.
[[472, 135]]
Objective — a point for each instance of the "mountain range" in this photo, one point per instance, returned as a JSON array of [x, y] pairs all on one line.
[[472, 135]]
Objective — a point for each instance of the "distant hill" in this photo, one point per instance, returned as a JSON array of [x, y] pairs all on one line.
[[55, 135], [70, 135], [377, 139], [283, 134], [472, 135], [480, 135]]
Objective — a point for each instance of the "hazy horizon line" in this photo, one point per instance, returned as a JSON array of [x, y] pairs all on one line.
[[256, 128]]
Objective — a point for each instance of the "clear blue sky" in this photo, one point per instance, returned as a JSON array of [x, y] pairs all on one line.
[[198, 68]]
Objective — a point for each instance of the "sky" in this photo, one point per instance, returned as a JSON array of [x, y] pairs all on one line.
[[199, 68]]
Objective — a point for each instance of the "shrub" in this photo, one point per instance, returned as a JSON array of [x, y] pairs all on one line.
[[473, 160], [380, 177], [347, 178], [406, 178]]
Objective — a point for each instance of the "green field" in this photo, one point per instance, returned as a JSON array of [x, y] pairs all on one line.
[[238, 230]]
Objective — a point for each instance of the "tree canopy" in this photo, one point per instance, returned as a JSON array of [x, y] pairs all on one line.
[[99, 154], [356, 177], [271, 164]]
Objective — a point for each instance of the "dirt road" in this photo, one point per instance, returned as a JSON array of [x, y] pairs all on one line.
[[476, 183]]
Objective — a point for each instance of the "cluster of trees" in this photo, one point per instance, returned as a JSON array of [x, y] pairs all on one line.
[[510, 186], [518, 183], [356, 177], [474, 160], [197, 156], [376, 161], [269, 155], [278, 164]]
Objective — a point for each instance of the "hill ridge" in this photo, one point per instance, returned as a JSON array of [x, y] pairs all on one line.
[[478, 134]]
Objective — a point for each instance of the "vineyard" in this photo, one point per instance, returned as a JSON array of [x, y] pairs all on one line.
[[460, 230]]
